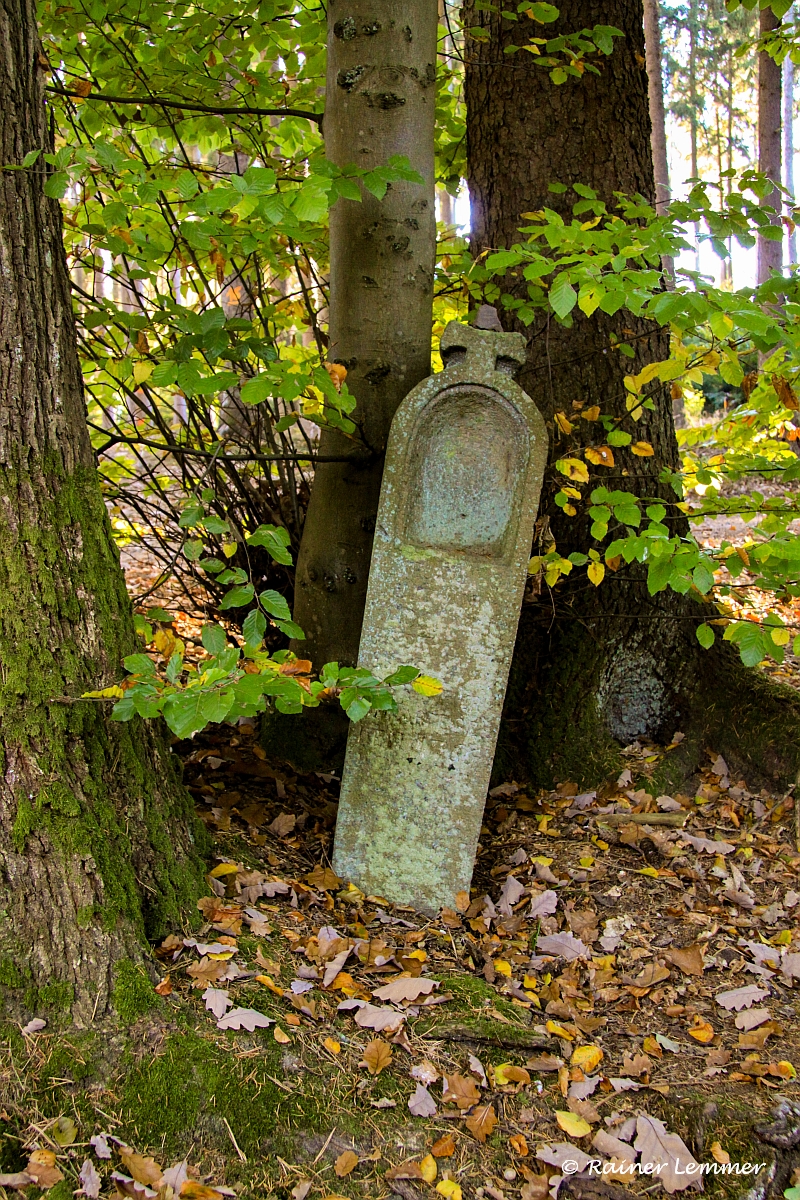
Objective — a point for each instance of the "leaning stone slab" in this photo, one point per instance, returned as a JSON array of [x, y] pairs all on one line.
[[460, 492]]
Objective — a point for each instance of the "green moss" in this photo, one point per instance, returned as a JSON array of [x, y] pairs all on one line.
[[10, 974], [54, 997], [134, 994], [60, 799], [62, 1191], [24, 824]]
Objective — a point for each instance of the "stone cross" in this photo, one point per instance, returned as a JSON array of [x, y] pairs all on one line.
[[464, 467]]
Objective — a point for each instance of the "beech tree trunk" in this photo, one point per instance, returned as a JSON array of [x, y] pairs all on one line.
[[380, 102], [96, 831], [770, 254], [596, 668], [658, 122]]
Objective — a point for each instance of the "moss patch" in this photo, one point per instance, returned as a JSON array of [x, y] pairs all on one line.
[[133, 994]]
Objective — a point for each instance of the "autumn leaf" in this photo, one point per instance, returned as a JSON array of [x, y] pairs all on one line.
[[519, 1144], [426, 685], [642, 449], [689, 960], [601, 456], [507, 1073], [460, 1090], [563, 423], [332, 1046], [403, 988], [377, 1055], [573, 468], [587, 1058], [444, 1147], [64, 1131], [164, 986], [449, 1189], [662, 1148], [428, 1168], [345, 1163], [143, 1170], [323, 878], [572, 1124], [596, 572], [482, 1121], [702, 1031], [42, 1167], [422, 1103], [280, 1037]]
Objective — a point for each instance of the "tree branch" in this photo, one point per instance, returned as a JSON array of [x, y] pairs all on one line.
[[212, 110]]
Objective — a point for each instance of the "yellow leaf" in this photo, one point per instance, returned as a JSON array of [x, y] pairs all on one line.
[[508, 1073], [783, 1069], [651, 872], [570, 510], [337, 372], [142, 371], [702, 1031], [780, 637], [502, 967], [601, 456], [642, 449], [229, 549], [572, 1124], [345, 1163], [591, 414], [428, 1168], [596, 572], [519, 1144], [562, 422], [449, 1188], [531, 982], [573, 468], [281, 1038], [223, 869], [560, 1031], [377, 1055], [587, 1058], [109, 693], [426, 685], [332, 1045], [718, 1154]]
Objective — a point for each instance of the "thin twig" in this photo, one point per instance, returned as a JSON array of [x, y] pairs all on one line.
[[212, 110]]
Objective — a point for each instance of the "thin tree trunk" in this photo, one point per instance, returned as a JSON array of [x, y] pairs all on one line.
[[596, 667], [693, 112], [380, 102], [788, 140], [655, 92], [96, 831], [770, 254]]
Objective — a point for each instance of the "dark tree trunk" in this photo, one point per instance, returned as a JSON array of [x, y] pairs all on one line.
[[96, 832], [594, 667]]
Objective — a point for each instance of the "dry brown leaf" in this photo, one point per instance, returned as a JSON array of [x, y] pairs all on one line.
[[377, 1055], [461, 1091], [143, 1170], [444, 1147], [206, 971], [404, 989], [281, 1038], [345, 1163], [702, 1031], [718, 1154], [283, 824], [637, 1065], [482, 1121], [658, 1146], [405, 1170], [192, 1190], [519, 1144], [42, 1167], [689, 960], [323, 878], [536, 1188], [164, 986], [756, 1039]]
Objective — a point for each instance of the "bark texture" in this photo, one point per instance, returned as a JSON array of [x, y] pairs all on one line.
[[655, 86], [597, 667], [96, 833], [770, 254], [380, 102]]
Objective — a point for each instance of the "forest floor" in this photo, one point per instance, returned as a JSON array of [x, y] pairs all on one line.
[[618, 988]]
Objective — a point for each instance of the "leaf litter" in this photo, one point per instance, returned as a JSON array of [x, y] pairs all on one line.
[[618, 963]]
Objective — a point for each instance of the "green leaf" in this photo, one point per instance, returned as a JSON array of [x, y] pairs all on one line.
[[256, 390], [237, 597], [214, 639], [275, 604], [139, 664], [291, 630], [401, 675], [274, 540], [56, 186], [562, 295], [703, 578], [618, 437], [356, 709], [254, 628], [705, 636]]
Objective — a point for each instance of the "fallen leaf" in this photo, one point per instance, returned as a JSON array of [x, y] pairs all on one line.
[[449, 1189], [422, 1103], [301, 1189], [280, 1036], [345, 1163], [783, 1069], [656, 1145], [563, 1152], [572, 1124], [519, 1144], [756, 1039], [752, 1018], [689, 960], [587, 1058], [90, 1181], [507, 1073], [42, 1167], [613, 1147], [100, 1146], [192, 1190], [639, 1064], [537, 1187], [543, 904], [34, 1026], [176, 1175], [718, 1154], [707, 847], [564, 945], [702, 1031], [142, 1169], [64, 1131], [428, 1168], [476, 1067], [244, 1018], [323, 878], [444, 1147], [742, 997], [461, 1091], [379, 1019], [405, 989], [425, 1072], [481, 1121], [164, 986], [545, 1062], [216, 1001], [377, 1055], [405, 1170], [283, 824], [332, 1046]]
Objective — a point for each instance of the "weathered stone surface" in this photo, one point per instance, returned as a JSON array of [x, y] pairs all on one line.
[[460, 492]]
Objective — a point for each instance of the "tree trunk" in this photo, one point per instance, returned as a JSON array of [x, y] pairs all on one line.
[[770, 256], [596, 667], [788, 139], [380, 102], [655, 93], [96, 833]]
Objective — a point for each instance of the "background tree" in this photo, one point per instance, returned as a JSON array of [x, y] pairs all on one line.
[[97, 836], [770, 252], [596, 668]]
